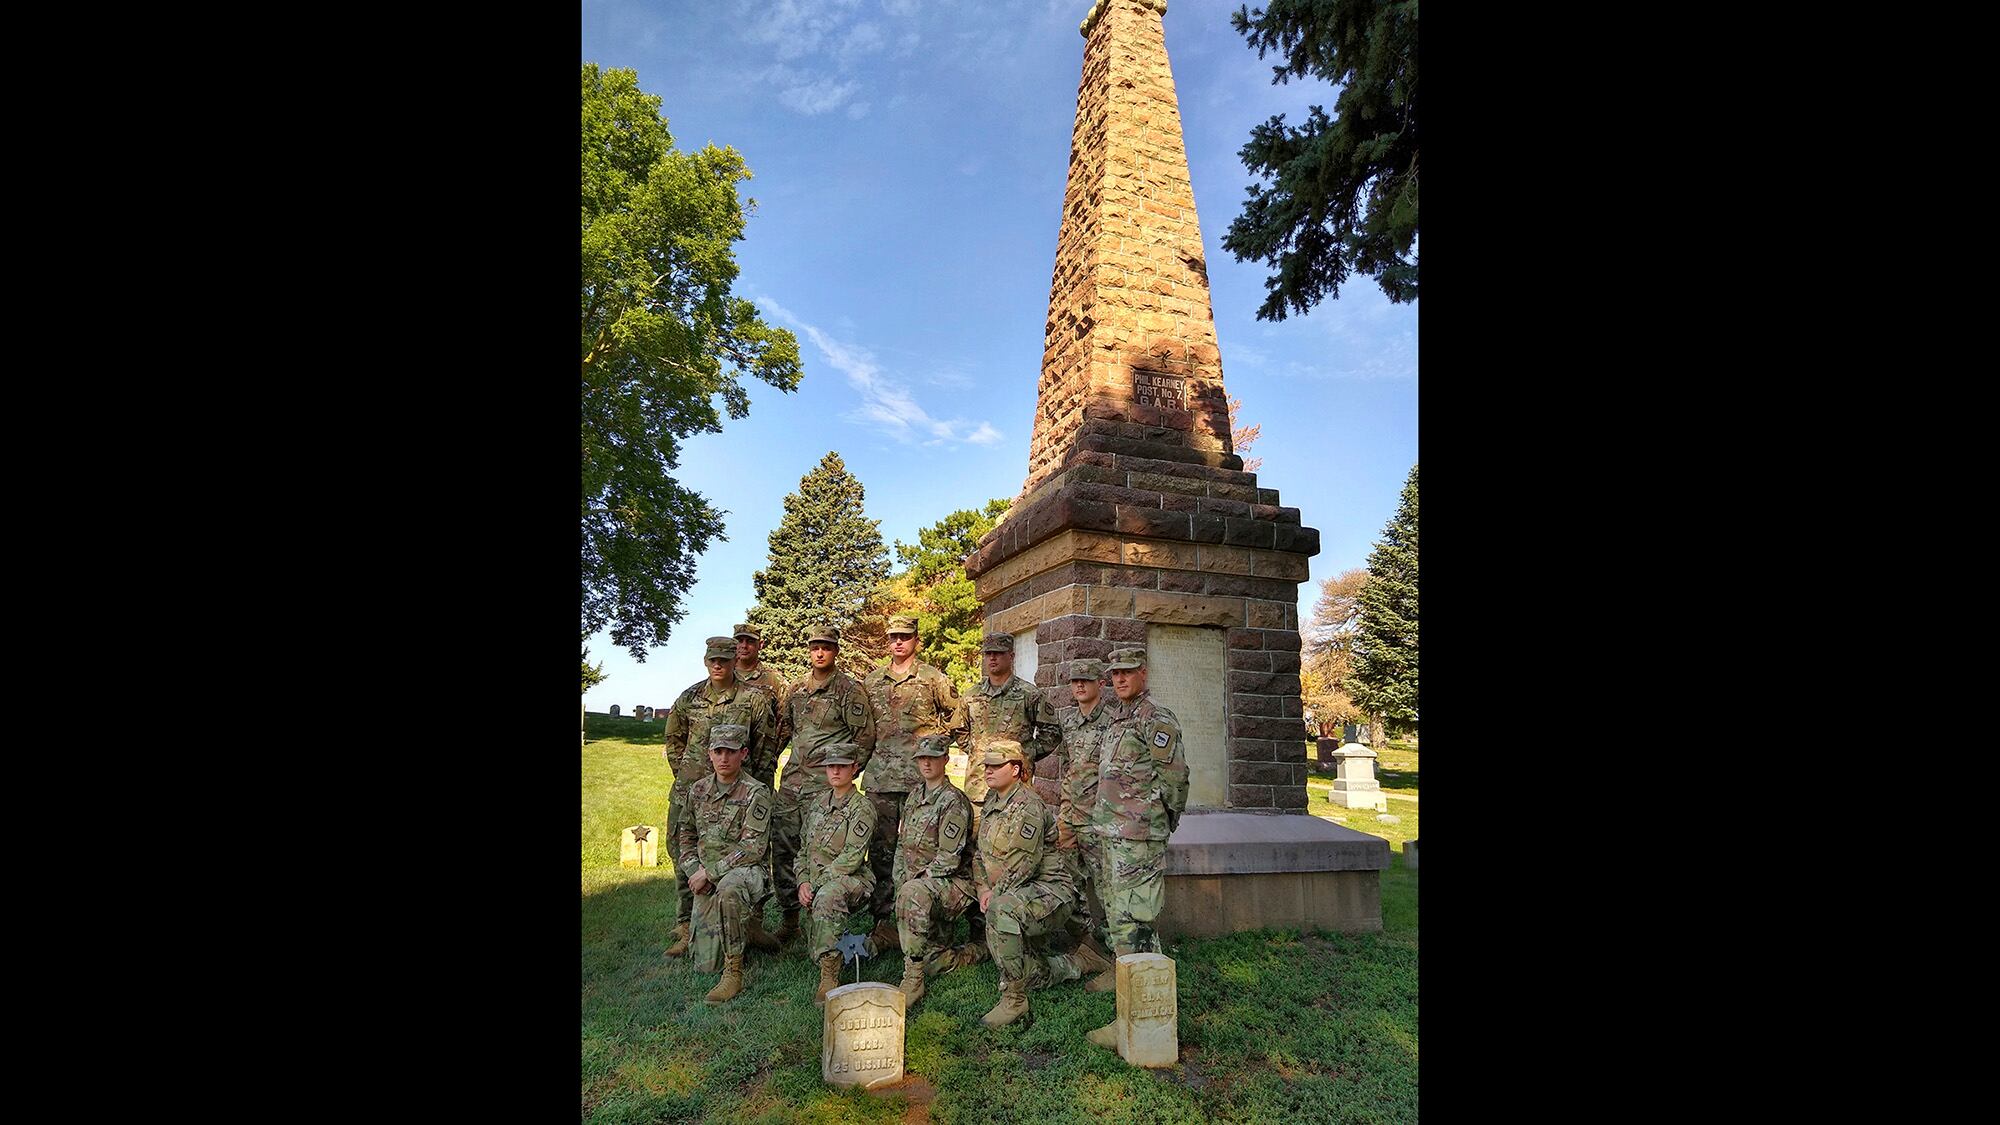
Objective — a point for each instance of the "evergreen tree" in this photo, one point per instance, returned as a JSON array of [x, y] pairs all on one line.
[[1384, 683], [826, 557]]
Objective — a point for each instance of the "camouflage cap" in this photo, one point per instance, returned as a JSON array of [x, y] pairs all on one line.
[[749, 631], [728, 736], [997, 642], [1086, 670], [826, 633], [1000, 751], [1126, 660], [901, 623], [721, 648], [933, 746], [840, 754]]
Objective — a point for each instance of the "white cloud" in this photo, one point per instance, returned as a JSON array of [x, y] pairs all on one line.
[[857, 111], [814, 96], [861, 39], [795, 27]]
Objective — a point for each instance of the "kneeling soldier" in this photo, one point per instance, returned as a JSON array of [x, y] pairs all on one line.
[[833, 873], [1024, 886], [933, 869], [722, 843]]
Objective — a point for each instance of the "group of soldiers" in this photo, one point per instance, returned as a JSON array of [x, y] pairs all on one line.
[[910, 846]]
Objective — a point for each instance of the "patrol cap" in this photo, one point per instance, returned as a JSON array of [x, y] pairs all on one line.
[[1086, 670], [901, 623], [1126, 660], [933, 746], [997, 642], [1000, 751], [823, 632], [720, 648], [749, 631], [840, 754], [728, 736]]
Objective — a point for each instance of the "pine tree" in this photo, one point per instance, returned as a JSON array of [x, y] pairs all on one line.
[[826, 556], [1384, 683]]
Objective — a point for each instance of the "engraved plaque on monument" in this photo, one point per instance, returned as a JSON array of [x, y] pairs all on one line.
[[1148, 1010], [1151, 388], [862, 1035], [639, 846]]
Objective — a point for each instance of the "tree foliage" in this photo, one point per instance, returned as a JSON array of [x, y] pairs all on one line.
[[592, 674], [1384, 681], [933, 586], [1329, 652], [1340, 193], [826, 557], [662, 340], [1242, 437]]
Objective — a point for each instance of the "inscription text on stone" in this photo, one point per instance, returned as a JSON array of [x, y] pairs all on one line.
[[1150, 388]]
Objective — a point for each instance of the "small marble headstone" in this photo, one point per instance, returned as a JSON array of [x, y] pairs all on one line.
[[1148, 1010], [862, 1035], [614, 710], [639, 846]]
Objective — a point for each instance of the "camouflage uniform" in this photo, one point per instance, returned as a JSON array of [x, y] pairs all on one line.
[[1083, 847], [833, 861], [1142, 786], [1015, 710], [1031, 886], [817, 718], [922, 701], [694, 713], [725, 833], [933, 871]]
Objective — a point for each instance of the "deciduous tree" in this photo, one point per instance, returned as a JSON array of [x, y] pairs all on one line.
[[1243, 437], [1384, 681], [1329, 651], [826, 557], [933, 586]]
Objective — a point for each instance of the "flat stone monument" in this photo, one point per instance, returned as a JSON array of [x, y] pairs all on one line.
[[862, 1035], [1355, 786], [1148, 1010], [639, 846]]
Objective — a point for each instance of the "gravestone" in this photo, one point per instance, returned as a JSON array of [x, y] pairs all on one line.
[[1326, 748], [862, 1035], [639, 846], [614, 710], [1410, 855], [1148, 1010], [1355, 787]]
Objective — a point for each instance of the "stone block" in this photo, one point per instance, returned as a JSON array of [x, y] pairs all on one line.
[[1206, 527], [1291, 750], [1300, 540], [1258, 773], [1125, 631], [1267, 496], [1227, 491], [1250, 660], [1235, 508], [1248, 533], [1128, 576], [1280, 661], [1186, 609], [1291, 797], [1272, 564], [1281, 640], [1177, 556], [1249, 797], [1085, 648], [861, 1035], [1175, 502], [1109, 601], [639, 846], [1245, 638], [1148, 1010], [1217, 905], [1250, 749], [1221, 560], [1272, 615], [1182, 582], [1232, 843], [1155, 522], [1275, 729], [1162, 482], [1269, 589], [1063, 628]]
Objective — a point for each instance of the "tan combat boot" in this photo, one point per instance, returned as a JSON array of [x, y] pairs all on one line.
[[680, 935], [913, 981], [1105, 1037], [829, 977], [1012, 1006], [884, 936], [961, 957], [1090, 958], [754, 935], [790, 929], [1108, 979], [731, 982]]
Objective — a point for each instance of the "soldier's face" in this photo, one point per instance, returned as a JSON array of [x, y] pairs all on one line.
[[931, 766], [840, 777], [999, 665], [718, 670], [1129, 683], [747, 649], [903, 645], [727, 762], [821, 655], [1085, 691], [1002, 777]]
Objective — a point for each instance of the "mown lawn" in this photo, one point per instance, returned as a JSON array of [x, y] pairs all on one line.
[[1274, 1026]]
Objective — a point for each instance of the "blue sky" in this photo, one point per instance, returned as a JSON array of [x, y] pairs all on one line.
[[909, 160]]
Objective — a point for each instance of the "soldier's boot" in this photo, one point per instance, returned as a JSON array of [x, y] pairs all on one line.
[[913, 981], [680, 946], [962, 957], [790, 929], [754, 935], [1012, 1006], [1090, 958], [829, 977], [884, 936], [731, 982], [1105, 1037], [1108, 979]]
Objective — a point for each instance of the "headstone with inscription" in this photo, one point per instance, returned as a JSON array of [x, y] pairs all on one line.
[[862, 1035], [1355, 786], [639, 846], [1148, 1010]]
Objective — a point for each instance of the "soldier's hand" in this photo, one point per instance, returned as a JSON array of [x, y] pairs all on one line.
[[699, 882], [805, 894], [985, 896]]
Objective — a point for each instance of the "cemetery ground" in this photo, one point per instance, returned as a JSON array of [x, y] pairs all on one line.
[[1274, 1025]]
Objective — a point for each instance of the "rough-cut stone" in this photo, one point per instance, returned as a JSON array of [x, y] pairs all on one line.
[[862, 1035], [639, 846], [1148, 1010]]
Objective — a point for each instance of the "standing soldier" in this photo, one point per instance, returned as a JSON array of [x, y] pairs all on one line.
[[715, 700], [752, 672], [1024, 886], [833, 875], [825, 707], [1083, 729], [1142, 786], [1004, 706], [910, 699], [933, 864], [723, 843]]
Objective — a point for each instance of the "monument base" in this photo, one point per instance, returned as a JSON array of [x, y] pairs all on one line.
[[1228, 872], [1359, 798]]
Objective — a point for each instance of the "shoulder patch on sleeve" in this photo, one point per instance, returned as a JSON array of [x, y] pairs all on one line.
[[1160, 738], [951, 830], [1027, 832], [760, 810]]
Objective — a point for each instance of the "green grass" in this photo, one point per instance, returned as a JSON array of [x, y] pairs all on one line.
[[1274, 1025]]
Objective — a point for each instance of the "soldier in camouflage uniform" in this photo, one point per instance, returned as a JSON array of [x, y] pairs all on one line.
[[1003, 706], [910, 699], [723, 843], [825, 707], [832, 872], [717, 699], [752, 672], [933, 864], [1083, 728], [1142, 786], [1024, 885]]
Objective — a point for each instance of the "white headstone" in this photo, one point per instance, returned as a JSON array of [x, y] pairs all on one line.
[[1148, 1010], [639, 846], [862, 1035], [1355, 786]]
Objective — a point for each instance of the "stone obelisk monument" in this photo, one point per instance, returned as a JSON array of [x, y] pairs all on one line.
[[1138, 525]]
